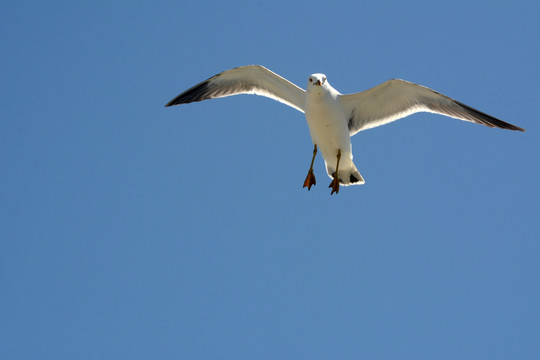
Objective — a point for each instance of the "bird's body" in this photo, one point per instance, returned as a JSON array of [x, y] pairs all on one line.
[[332, 117], [328, 126]]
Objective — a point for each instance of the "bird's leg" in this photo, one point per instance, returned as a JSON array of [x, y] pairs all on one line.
[[310, 179], [335, 183]]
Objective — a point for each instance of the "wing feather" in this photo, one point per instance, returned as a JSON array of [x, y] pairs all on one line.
[[396, 99], [250, 79]]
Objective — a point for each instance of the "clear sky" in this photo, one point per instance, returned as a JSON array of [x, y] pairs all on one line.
[[134, 231]]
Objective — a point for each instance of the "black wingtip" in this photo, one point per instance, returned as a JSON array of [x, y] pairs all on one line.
[[173, 102], [494, 122], [490, 120], [196, 93], [518, 128]]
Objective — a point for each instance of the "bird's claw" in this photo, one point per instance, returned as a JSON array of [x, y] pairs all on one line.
[[310, 180], [334, 185]]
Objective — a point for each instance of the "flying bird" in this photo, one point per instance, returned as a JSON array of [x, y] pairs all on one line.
[[332, 117]]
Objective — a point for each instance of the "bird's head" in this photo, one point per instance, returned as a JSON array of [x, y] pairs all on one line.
[[316, 82]]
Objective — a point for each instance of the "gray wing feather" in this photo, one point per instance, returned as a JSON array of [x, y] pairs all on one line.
[[395, 99], [251, 79]]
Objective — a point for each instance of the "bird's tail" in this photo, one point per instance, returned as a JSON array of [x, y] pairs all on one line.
[[348, 176]]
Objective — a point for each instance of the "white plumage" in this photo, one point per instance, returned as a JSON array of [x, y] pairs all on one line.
[[332, 117]]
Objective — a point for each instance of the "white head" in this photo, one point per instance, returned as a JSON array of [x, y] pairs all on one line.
[[317, 83]]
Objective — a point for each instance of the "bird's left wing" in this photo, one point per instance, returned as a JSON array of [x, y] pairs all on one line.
[[250, 79], [395, 99]]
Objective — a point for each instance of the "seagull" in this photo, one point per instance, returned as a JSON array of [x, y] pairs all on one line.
[[332, 117]]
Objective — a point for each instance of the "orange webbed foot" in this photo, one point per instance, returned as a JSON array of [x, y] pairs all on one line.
[[334, 185], [310, 180]]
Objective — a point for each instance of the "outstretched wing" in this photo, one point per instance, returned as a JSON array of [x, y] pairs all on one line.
[[251, 79], [395, 99]]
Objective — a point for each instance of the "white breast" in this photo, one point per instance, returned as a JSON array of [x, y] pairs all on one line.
[[327, 123]]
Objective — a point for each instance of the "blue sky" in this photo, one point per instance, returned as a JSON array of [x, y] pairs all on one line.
[[130, 230]]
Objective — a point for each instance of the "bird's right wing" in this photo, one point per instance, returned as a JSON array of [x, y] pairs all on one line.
[[251, 79]]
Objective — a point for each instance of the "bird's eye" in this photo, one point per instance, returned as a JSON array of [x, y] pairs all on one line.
[[324, 79], [310, 80]]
